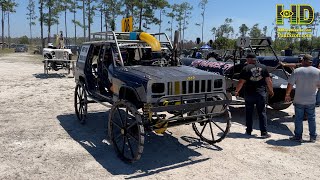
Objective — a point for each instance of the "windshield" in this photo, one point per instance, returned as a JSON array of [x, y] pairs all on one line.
[[20, 45], [141, 56]]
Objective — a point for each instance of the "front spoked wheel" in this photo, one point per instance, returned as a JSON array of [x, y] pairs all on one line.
[[126, 131], [81, 102], [213, 129]]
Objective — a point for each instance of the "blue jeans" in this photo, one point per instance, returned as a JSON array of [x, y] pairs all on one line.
[[318, 97], [260, 101], [299, 110]]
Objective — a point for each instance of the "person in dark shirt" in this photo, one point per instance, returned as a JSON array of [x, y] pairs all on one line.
[[256, 81]]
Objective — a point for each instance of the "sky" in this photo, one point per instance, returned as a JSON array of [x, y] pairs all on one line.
[[247, 12]]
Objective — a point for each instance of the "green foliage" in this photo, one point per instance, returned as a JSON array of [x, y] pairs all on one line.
[[243, 29], [111, 10], [8, 5], [143, 11], [202, 5], [255, 32], [183, 12], [265, 29], [225, 30], [224, 43], [24, 40]]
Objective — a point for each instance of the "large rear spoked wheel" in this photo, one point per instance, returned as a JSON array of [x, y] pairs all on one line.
[[214, 129], [126, 131], [80, 102]]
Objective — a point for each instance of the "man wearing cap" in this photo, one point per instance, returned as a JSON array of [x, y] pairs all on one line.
[[256, 79], [307, 81]]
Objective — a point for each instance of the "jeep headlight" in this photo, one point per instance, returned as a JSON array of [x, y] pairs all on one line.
[[157, 88]]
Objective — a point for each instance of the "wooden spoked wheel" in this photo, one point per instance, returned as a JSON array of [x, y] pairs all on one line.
[[80, 102], [126, 131], [214, 128]]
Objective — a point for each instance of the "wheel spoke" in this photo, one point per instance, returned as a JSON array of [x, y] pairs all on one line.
[[118, 126], [124, 142], [120, 116], [217, 126], [82, 93], [118, 137], [127, 115], [132, 125], [80, 110], [79, 97], [81, 114], [79, 89], [211, 131], [204, 128], [132, 154], [133, 137], [212, 109]]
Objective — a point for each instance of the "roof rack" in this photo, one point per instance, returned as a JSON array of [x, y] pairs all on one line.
[[124, 38], [130, 40]]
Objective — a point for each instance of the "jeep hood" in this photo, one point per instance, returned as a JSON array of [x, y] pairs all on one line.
[[176, 72]]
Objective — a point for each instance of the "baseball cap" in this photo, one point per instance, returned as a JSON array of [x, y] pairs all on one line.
[[251, 55], [307, 57]]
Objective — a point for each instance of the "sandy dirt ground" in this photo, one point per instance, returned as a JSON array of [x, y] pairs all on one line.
[[41, 138]]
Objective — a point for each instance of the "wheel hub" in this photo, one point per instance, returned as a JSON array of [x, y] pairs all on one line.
[[123, 131]]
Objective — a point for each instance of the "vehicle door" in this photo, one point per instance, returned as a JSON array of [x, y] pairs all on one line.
[[81, 61]]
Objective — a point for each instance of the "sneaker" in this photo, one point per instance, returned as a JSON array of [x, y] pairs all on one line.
[[248, 133], [265, 135], [295, 138], [313, 139]]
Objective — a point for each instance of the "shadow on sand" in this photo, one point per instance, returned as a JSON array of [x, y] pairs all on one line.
[[276, 120], [161, 153], [51, 75]]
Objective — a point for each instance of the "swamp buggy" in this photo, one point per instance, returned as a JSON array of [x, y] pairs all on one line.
[[233, 62], [139, 76], [56, 59]]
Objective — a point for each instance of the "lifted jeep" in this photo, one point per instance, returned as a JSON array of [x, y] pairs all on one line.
[[140, 77]]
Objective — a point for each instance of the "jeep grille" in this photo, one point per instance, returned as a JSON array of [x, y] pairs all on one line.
[[189, 87]]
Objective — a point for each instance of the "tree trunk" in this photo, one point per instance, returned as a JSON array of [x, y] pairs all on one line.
[[183, 27], [89, 20], [84, 20], [171, 28], [106, 17], [9, 38], [41, 23], [49, 23], [160, 21], [101, 25], [2, 26], [202, 25], [30, 24], [65, 24], [75, 25], [140, 18]]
